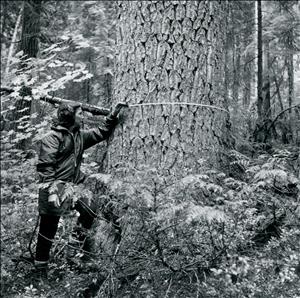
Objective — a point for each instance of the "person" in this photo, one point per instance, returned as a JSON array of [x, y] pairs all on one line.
[[60, 156]]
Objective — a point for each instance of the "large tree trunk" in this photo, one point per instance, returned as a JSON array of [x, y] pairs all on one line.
[[169, 51]]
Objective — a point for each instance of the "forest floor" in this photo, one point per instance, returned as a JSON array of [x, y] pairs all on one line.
[[85, 279], [61, 282]]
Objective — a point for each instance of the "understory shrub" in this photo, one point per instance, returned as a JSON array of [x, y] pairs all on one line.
[[206, 235]]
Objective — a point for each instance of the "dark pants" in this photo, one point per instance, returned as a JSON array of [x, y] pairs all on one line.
[[49, 224]]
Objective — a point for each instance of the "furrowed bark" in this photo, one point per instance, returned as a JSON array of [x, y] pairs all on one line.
[[169, 51]]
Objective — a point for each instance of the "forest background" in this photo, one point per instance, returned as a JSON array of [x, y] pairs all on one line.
[[196, 201]]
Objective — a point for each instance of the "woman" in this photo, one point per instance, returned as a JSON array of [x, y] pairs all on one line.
[[60, 156]]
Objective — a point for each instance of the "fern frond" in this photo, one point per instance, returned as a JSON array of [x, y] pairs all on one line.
[[200, 213], [273, 174]]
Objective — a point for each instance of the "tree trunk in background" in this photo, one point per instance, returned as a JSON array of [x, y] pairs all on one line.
[[108, 80], [266, 87], [259, 133], [247, 80], [259, 63], [29, 46], [284, 134], [3, 23], [11, 47], [31, 28], [290, 70], [170, 52], [246, 38], [236, 61], [87, 83], [226, 70], [291, 82]]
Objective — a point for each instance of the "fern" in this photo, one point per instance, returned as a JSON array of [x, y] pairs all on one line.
[[199, 213], [271, 174]]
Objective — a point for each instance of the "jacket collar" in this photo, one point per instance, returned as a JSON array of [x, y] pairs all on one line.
[[61, 128]]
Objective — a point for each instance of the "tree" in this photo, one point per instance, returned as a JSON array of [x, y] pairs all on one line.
[[248, 21], [170, 52], [263, 80], [89, 34], [10, 11], [30, 47], [13, 41], [31, 28], [260, 100]]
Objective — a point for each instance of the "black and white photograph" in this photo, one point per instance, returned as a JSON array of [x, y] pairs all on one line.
[[150, 149]]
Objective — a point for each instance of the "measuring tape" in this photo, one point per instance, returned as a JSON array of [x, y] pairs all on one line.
[[177, 103]]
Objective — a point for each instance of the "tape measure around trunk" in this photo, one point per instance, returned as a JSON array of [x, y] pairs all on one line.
[[177, 103]]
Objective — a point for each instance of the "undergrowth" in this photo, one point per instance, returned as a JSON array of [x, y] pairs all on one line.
[[211, 234]]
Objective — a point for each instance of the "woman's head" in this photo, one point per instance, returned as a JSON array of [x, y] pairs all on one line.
[[66, 114]]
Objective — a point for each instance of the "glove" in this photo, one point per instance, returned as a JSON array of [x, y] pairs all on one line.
[[116, 110], [54, 199]]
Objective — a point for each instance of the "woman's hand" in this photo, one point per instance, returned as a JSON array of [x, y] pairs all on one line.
[[116, 110]]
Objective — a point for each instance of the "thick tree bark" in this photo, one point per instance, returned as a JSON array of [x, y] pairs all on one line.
[[169, 51]]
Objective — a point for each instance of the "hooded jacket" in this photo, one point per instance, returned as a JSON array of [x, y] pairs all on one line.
[[60, 156]]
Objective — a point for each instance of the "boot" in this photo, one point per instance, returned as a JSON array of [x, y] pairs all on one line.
[[40, 271], [74, 250], [88, 249]]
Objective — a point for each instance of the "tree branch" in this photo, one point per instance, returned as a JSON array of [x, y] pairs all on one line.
[[276, 118], [56, 100]]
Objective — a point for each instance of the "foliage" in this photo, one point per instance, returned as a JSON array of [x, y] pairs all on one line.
[[281, 34], [88, 33], [199, 234], [215, 233], [205, 234]]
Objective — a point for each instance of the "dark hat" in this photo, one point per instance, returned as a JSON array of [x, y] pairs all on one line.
[[66, 114]]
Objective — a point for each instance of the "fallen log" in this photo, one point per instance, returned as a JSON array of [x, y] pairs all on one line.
[[56, 100]]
